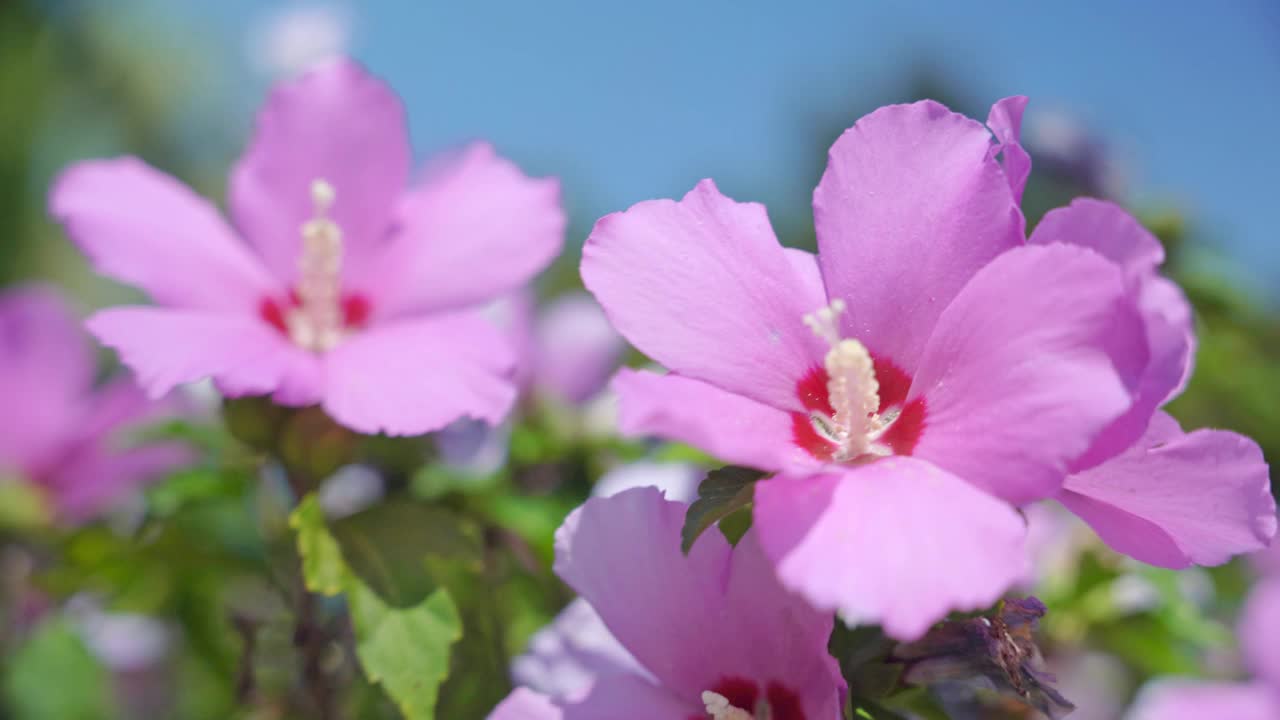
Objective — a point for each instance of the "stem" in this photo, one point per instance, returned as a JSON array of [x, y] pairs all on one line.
[[312, 639]]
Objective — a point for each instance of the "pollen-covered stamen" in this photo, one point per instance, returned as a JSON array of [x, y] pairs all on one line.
[[719, 708], [317, 322], [852, 389]]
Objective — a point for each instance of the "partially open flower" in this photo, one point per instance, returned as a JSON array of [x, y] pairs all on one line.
[[995, 652]]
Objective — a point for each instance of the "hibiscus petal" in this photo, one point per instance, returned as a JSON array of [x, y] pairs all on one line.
[[142, 227], [729, 427], [565, 657], [1260, 632], [693, 621], [897, 542], [1193, 700], [90, 481], [46, 369], [628, 697], [335, 123], [703, 287], [414, 376], [912, 204], [1175, 498], [1166, 314], [1038, 353], [1005, 122], [472, 231], [1105, 228], [576, 349], [525, 704], [167, 348]]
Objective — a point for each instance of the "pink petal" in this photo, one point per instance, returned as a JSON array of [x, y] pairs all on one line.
[[1175, 498], [694, 621], [1260, 632], [897, 542], [46, 370], [565, 657], [335, 123], [471, 232], [703, 287], [1267, 562], [144, 228], [413, 376], [1195, 700], [1005, 122], [576, 350], [93, 479], [1115, 234], [525, 704], [1105, 228], [629, 697], [167, 348], [1036, 355], [911, 205], [729, 427]]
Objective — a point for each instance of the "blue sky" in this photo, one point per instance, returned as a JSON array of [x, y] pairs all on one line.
[[629, 101]]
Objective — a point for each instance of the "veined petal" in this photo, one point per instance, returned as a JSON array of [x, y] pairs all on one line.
[[244, 356], [1035, 357], [335, 123], [898, 542], [912, 204], [703, 287], [730, 427], [1177, 498], [410, 377], [472, 231], [142, 227]]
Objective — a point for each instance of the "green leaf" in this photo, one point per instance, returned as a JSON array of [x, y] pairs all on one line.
[[391, 545], [403, 649], [323, 568], [22, 507], [720, 493], [53, 675]]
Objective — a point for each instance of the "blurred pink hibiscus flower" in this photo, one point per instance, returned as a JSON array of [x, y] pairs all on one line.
[[60, 433], [340, 285]]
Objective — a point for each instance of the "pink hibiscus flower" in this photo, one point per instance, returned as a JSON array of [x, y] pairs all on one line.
[[59, 432], [340, 285], [926, 373], [712, 634]]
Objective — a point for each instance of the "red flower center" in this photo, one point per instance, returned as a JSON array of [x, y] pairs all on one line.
[[356, 310], [905, 419]]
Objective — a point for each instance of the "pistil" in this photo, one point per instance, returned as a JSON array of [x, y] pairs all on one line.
[[718, 708], [317, 322], [852, 388]]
